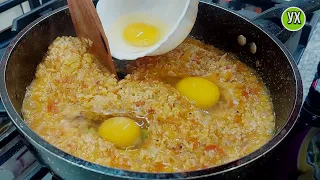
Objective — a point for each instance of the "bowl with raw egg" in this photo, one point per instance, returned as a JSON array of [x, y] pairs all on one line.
[[139, 28]]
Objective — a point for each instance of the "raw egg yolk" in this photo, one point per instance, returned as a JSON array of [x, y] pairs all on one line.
[[122, 131], [202, 92], [141, 34]]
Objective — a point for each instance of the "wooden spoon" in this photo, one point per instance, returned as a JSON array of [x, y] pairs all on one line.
[[88, 25]]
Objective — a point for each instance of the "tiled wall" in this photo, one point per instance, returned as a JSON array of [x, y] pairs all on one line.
[[7, 17]]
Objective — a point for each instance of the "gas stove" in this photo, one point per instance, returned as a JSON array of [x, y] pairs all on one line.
[[16, 161]]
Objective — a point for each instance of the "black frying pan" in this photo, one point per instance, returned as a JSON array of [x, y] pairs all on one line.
[[215, 25]]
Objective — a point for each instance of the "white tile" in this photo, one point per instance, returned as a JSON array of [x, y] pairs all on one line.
[[47, 177], [310, 59], [7, 17], [26, 7]]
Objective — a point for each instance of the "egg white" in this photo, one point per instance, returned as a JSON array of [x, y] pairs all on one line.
[[119, 46]]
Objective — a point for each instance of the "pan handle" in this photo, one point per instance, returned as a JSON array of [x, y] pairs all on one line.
[[271, 18]]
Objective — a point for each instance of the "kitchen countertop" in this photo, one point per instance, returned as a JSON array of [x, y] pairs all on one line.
[[310, 59]]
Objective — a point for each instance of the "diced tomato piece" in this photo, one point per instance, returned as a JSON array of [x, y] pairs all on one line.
[[194, 141], [140, 103], [159, 167], [245, 93], [238, 119], [254, 90], [52, 106], [213, 147]]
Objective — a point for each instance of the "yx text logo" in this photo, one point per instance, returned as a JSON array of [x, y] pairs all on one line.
[[293, 19]]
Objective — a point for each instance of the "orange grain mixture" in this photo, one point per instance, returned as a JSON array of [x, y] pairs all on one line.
[[71, 95]]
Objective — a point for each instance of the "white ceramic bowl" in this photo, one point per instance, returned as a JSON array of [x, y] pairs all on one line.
[[176, 19]]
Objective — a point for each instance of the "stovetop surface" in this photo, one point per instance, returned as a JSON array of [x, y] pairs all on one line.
[[16, 161]]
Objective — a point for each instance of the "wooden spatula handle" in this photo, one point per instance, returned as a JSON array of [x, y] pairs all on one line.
[[88, 25]]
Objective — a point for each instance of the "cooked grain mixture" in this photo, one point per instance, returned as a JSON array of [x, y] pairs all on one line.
[[72, 95]]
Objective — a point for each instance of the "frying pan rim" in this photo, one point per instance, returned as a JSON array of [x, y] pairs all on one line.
[[32, 136]]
